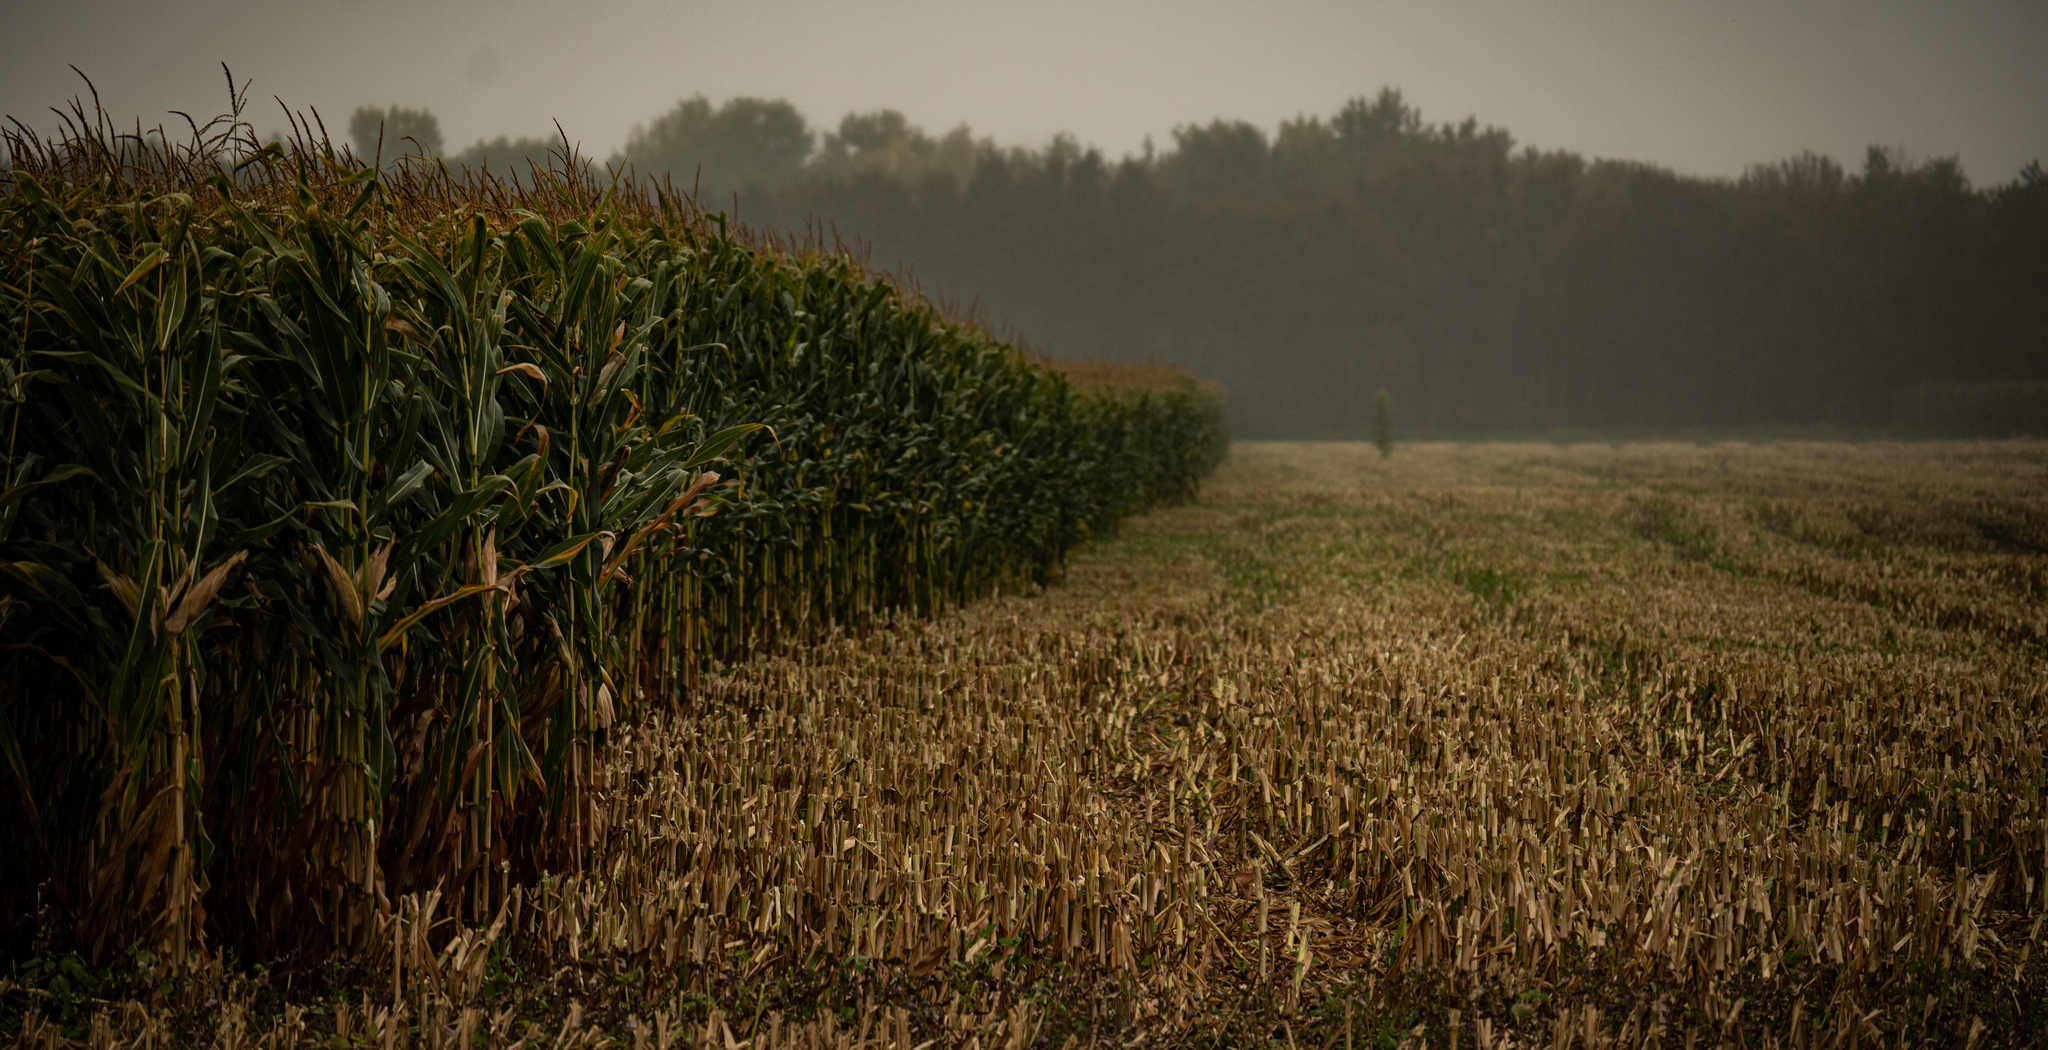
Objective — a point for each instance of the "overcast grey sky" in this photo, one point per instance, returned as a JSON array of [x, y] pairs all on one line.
[[1703, 86]]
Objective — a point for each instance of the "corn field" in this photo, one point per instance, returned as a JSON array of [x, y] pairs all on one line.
[[442, 615], [349, 519]]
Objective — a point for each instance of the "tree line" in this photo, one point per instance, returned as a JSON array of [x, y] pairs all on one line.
[[1491, 289]]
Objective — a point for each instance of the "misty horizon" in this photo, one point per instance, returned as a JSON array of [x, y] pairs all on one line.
[[1700, 89], [1153, 145], [494, 148]]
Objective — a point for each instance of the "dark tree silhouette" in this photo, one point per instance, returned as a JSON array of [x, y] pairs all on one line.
[[1492, 289], [403, 132], [747, 143]]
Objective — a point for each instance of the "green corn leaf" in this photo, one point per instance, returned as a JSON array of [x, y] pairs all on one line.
[[405, 623], [717, 444], [458, 513], [257, 534], [564, 552], [63, 473], [254, 468], [40, 582], [398, 492], [142, 269], [200, 411]]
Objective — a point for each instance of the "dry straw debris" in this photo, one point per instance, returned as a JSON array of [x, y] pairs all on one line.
[[1478, 746]]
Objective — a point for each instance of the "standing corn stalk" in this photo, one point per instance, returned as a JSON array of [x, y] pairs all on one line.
[[346, 512]]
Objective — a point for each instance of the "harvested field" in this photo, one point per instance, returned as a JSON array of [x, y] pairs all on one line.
[[1480, 745]]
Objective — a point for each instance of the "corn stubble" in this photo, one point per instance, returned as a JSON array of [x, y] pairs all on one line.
[[1284, 768]]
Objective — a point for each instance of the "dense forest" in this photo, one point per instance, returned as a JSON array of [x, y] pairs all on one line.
[[1491, 289]]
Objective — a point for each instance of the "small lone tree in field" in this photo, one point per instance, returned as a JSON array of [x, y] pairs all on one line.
[[1383, 422]]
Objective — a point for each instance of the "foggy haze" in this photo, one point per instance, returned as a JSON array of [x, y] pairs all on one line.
[[1706, 88]]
